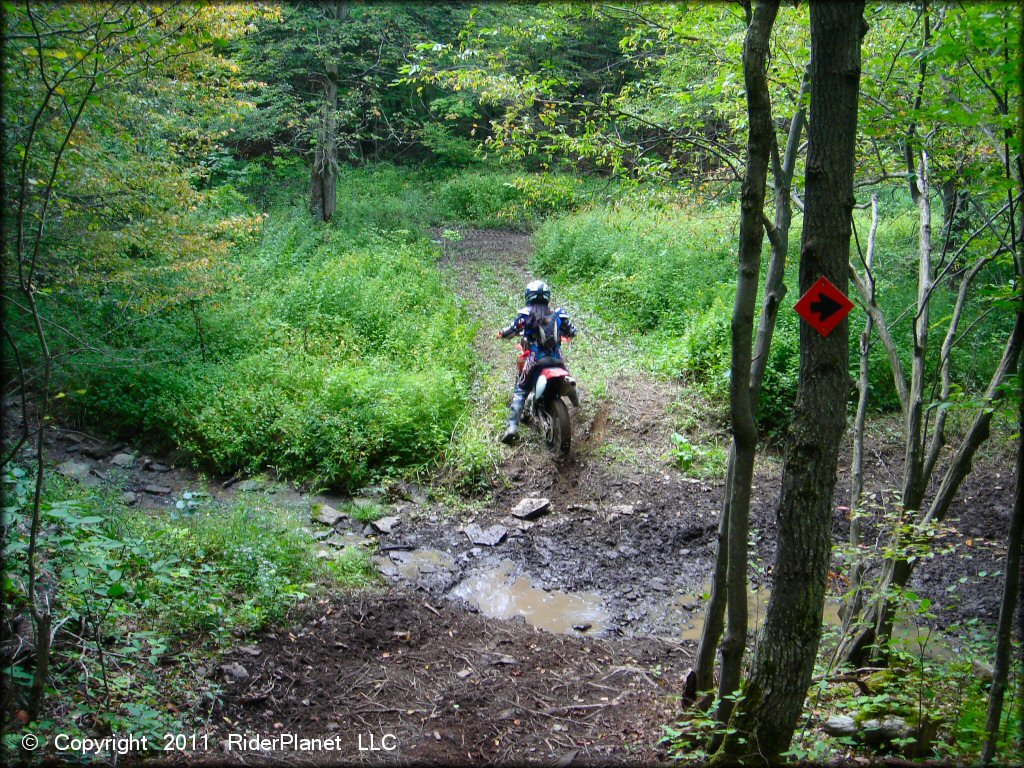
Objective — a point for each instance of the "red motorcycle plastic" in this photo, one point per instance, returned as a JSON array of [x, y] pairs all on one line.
[[544, 408]]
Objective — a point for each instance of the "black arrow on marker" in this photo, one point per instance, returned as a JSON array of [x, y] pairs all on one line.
[[825, 306]]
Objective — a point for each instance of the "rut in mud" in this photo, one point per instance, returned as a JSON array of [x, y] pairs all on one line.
[[566, 637]]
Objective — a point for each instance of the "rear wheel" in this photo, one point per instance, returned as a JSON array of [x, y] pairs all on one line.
[[558, 430]]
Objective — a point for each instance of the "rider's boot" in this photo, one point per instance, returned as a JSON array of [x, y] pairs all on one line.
[[518, 398]]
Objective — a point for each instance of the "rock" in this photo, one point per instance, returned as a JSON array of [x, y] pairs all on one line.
[[983, 671], [531, 507], [130, 498], [326, 514], [589, 508], [250, 485], [156, 466], [362, 502], [623, 509], [249, 650], [582, 627], [839, 725], [158, 490], [234, 672], [877, 732], [123, 460], [462, 674], [658, 585], [386, 524], [77, 470], [687, 602], [488, 537], [96, 450]]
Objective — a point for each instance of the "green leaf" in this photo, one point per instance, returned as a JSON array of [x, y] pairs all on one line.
[[116, 590]]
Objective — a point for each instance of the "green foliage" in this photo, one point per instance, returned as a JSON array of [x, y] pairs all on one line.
[[489, 198], [697, 460], [450, 150], [667, 277], [141, 601]]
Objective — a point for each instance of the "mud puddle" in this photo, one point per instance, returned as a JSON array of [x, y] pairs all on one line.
[[503, 593]]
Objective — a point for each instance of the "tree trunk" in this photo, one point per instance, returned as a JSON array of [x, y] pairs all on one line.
[[913, 470], [323, 195], [1011, 585], [853, 607], [744, 429], [773, 697], [774, 293], [323, 199]]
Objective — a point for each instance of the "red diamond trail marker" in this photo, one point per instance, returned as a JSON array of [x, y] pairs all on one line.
[[823, 306]]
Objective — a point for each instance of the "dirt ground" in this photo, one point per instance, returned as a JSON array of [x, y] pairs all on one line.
[[624, 550]]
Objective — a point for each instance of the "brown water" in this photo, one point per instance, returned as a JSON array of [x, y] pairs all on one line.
[[693, 620], [501, 594], [412, 565]]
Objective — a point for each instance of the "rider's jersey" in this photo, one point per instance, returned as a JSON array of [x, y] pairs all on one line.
[[520, 326]]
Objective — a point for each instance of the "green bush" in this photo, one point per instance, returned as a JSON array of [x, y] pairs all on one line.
[[333, 353], [139, 602]]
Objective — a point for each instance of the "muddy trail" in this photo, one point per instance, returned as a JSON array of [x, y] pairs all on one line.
[[553, 620]]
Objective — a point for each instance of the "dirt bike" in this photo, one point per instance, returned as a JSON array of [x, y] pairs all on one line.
[[544, 408]]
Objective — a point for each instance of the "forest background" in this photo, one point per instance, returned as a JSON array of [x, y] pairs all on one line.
[[223, 227]]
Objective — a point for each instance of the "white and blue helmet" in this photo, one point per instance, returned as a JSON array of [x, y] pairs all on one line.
[[538, 292]]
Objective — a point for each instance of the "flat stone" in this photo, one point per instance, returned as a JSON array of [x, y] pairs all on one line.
[[878, 731], [130, 499], [156, 466], [250, 485], [74, 469], [234, 671], [346, 540], [488, 537], [589, 508], [386, 524], [531, 507], [159, 490], [123, 460], [326, 514], [839, 725], [623, 509], [250, 650]]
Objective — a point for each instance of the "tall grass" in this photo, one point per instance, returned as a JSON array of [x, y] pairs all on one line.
[[666, 275]]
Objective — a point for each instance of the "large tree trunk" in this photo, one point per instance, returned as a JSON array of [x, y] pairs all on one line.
[[773, 697], [1011, 585], [744, 429], [774, 292]]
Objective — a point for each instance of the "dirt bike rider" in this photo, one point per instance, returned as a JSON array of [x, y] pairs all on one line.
[[542, 329]]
